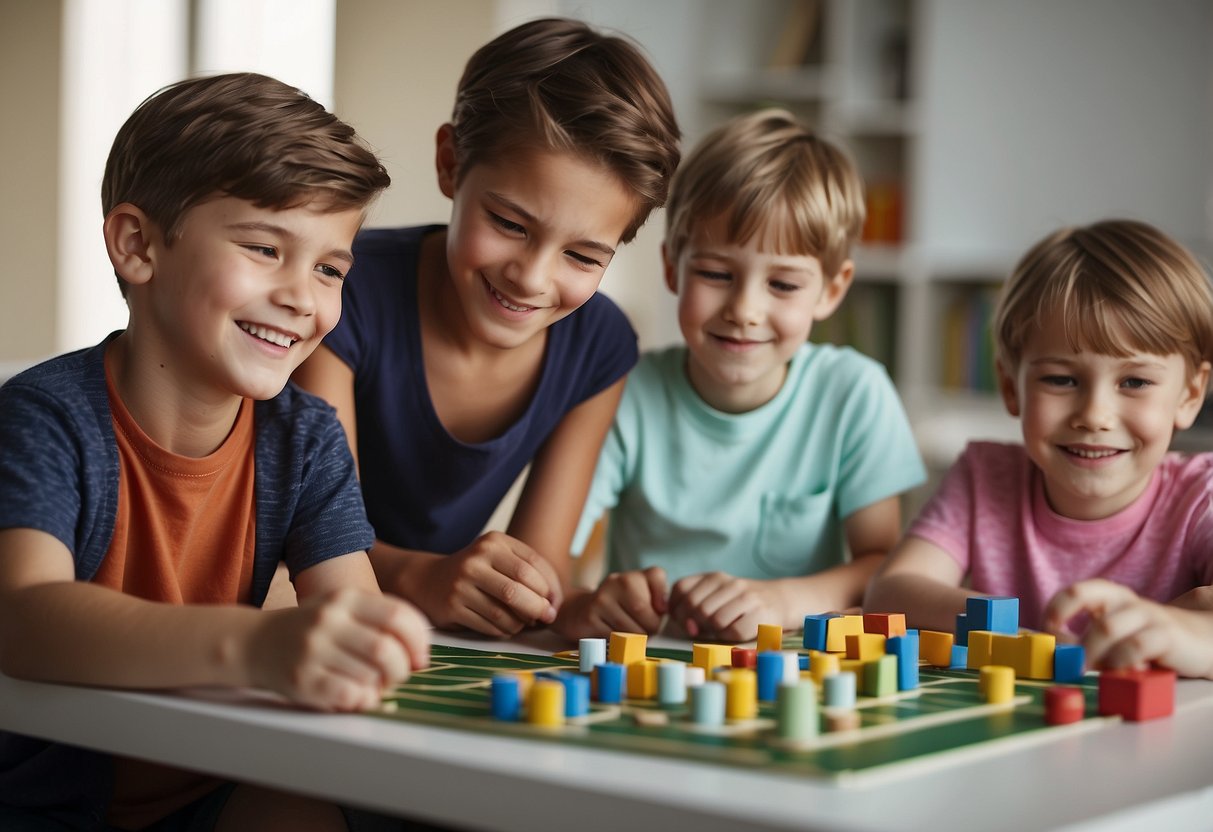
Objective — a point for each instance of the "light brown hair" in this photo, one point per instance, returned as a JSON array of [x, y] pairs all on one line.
[[1120, 286], [557, 84], [243, 135], [766, 172]]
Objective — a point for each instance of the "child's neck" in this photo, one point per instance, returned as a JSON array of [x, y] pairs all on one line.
[[174, 417]]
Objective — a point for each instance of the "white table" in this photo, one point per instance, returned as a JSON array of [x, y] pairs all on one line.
[[1156, 775]]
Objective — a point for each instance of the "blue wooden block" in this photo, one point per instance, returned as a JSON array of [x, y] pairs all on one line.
[[960, 657], [815, 629], [998, 614], [962, 630], [905, 648], [576, 694], [1068, 660], [804, 662], [505, 702], [609, 682], [770, 674]]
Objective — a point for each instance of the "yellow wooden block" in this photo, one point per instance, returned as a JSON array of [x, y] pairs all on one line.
[[981, 646], [545, 704], [852, 666], [1004, 651], [740, 694], [770, 637], [1036, 654], [837, 630], [822, 665], [867, 647], [935, 647], [642, 679], [997, 683], [711, 656], [626, 648]]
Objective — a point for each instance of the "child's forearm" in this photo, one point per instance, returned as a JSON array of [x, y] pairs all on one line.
[[831, 590], [80, 633], [927, 604]]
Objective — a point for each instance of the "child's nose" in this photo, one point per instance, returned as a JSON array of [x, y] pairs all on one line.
[[1095, 411], [744, 306], [528, 274], [296, 291]]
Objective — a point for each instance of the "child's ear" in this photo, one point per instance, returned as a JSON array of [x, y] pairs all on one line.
[[128, 234], [670, 268], [834, 290], [444, 159], [1193, 397], [1006, 386]]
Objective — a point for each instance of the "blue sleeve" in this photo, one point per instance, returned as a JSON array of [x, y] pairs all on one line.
[[880, 457], [40, 484]]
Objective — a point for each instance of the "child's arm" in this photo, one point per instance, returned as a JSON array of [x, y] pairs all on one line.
[[335, 652], [1126, 630], [921, 580], [728, 607]]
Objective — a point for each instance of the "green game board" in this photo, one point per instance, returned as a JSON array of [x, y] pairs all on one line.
[[945, 715]]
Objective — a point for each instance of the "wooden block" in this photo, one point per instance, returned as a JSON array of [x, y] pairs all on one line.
[[1068, 662], [866, 647], [880, 676], [886, 624], [642, 679], [841, 721], [627, 648], [744, 657], [998, 614], [981, 647], [770, 638], [1137, 695], [997, 683], [839, 628], [1064, 705], [1004, 651], [650, 719], [711, 656], [822, 664], [1036, 654], [935, 647], [815, 630], [905, 648], [741, 694]]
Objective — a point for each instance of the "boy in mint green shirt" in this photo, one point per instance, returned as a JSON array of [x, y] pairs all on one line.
[[744, 465]]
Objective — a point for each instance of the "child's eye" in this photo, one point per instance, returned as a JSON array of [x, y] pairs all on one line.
[[329, 271], [1136, 383], [782, 286], [708, 274], [1059, 381], [583, 259], [507, 225], [265, 251]]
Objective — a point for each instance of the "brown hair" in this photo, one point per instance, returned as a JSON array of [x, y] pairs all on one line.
[[1119, 285], [766, 172], [559, 83], [244, 135]]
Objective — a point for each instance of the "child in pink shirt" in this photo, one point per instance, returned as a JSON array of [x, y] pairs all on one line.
[[1104, 341]]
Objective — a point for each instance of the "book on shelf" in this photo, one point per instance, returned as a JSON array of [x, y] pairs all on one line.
[[866, 321], [967, 345]]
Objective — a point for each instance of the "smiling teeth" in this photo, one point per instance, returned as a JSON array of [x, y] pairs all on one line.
[[507, 304], [273, 336], [1085, 454]]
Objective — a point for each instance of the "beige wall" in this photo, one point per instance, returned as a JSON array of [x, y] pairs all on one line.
[[397, 64], [29, 176]]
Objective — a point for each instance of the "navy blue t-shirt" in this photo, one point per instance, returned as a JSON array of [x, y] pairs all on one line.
[[423, 488]]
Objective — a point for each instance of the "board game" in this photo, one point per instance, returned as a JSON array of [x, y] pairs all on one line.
[[944, 721]]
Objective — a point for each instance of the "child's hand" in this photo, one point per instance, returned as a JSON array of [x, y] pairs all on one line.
[[339, 651], [629, 602], [718, 605], [496, 586], [1126, 630]]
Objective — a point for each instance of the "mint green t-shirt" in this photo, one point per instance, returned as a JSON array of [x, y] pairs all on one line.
[[761, 494]]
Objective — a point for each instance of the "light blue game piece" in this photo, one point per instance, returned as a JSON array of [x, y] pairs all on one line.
[[839, 690], [960, 657], [591, 652], [671, 683], [707, 703]]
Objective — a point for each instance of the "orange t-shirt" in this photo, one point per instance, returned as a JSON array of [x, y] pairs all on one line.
[[185, 533]]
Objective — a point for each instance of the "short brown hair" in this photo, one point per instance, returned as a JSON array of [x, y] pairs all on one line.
[[1120, 286], [559, 83], [766, 172], [244, 135]]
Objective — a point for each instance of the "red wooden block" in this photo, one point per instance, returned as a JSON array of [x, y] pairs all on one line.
[[745, 657], [1063, 705], [888, 624], [1137, 695]]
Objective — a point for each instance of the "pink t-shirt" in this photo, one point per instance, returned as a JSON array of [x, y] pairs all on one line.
[[991, 515]]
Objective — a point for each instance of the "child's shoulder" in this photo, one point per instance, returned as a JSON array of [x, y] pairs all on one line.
[[74, 379]]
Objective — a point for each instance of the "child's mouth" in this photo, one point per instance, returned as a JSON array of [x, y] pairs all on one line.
[[273, 336]]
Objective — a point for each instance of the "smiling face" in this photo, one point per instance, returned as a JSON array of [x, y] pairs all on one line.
[[1097, 425], [243, 295], [744, 311], [530, 237]]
